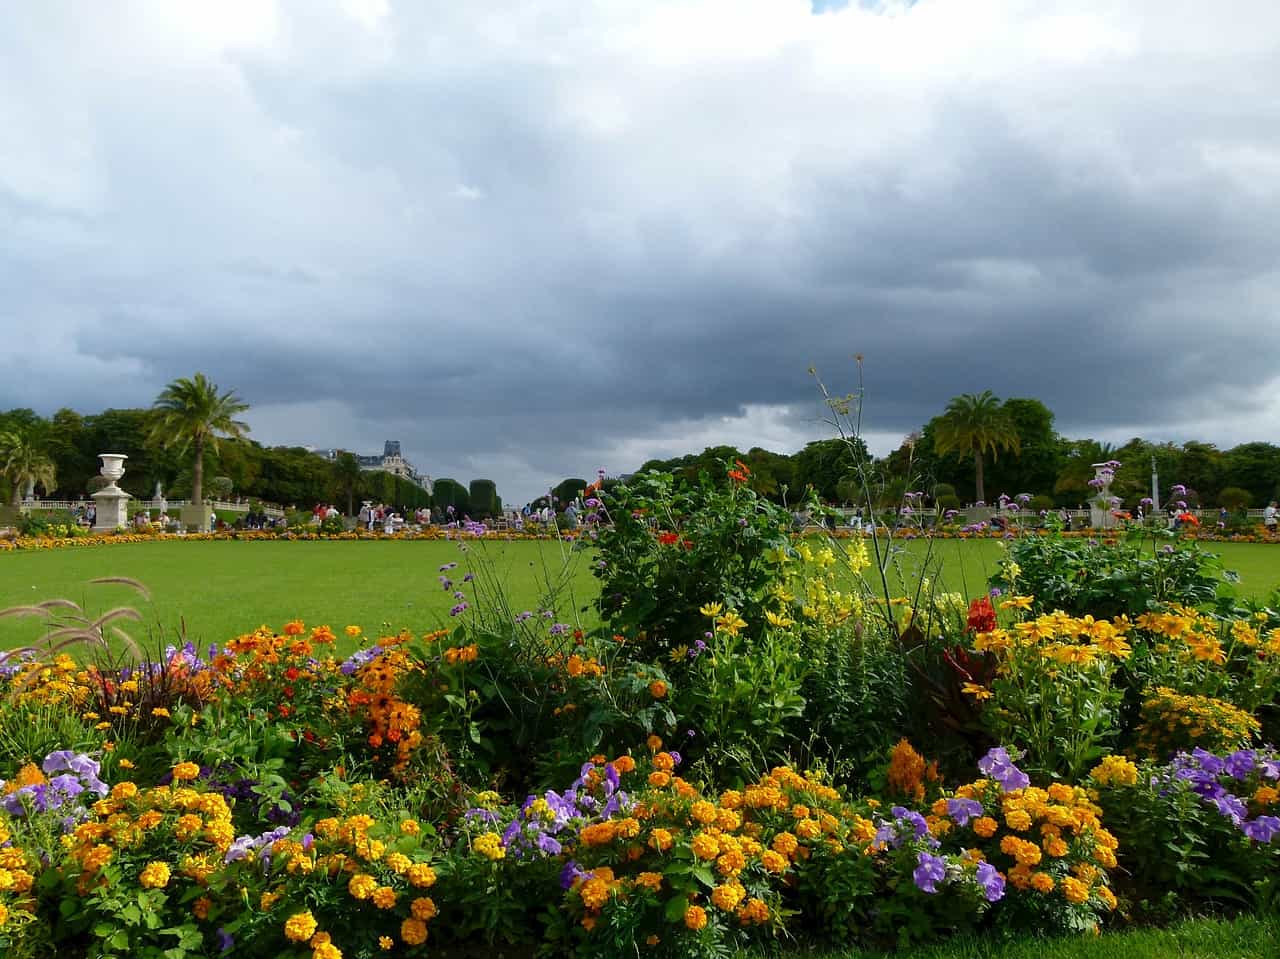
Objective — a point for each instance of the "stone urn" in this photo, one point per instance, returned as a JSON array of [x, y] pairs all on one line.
[[111, 503], [112, 466]]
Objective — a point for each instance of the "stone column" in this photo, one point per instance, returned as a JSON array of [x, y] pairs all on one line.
[[1100, 506], [111, 502]]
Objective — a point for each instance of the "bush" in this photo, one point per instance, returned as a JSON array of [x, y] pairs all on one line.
[[483, 499], [1235, 498], [1132, 575]]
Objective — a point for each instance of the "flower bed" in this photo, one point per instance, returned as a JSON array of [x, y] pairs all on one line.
[[725, 761]]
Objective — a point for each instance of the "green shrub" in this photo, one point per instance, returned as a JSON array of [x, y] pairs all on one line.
[[483, 499]]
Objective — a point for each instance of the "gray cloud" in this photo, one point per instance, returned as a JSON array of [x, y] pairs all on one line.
[[527, 238]]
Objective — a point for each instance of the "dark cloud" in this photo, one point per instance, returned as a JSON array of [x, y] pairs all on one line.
[[534, 241]]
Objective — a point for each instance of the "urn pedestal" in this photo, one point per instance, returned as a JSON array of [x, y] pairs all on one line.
[[111, 503]]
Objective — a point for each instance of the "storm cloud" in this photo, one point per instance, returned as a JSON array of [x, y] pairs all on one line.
[[537, 237]]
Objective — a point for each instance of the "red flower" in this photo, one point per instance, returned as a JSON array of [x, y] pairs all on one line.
[[668, 539], [982, 617]]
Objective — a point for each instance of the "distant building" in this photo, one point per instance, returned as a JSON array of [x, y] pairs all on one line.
[[391, 461]]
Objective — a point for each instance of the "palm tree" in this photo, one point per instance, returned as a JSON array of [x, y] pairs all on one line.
[[191, 412], [24, 463], [973, 426]]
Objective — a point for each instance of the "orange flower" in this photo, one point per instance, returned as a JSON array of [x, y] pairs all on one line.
[[658, 689]]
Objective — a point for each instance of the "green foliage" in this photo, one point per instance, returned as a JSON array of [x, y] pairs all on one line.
[[566, 491], [483, 498], [973, 426], [193, 413], [448, 493], [1234, 498], [1132, 575], [674, 547]]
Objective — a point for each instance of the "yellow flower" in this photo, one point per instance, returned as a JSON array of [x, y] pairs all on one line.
[[384, 897], [155, 875], [976, 691], [300, 927], [731, 623], [695, 917], [385, 943], [423, 908], [413, 932], [185, 771], [711, 610], [489, 845]]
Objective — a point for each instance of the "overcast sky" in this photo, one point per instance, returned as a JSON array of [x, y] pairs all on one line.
[[533, 238]]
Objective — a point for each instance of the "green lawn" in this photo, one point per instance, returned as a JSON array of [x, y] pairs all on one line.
[[1197, 939], [221, 589]]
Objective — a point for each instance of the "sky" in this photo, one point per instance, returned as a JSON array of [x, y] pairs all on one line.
[[531, 239]]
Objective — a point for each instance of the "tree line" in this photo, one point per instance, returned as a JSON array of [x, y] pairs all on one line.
[[192, 443], [979, 447]]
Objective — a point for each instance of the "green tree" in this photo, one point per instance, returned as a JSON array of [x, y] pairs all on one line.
[[346, 477], [193, 413], [1040, 451], [974, 426], [1254, 467], [822, 464], [24, 462], [483, 496]]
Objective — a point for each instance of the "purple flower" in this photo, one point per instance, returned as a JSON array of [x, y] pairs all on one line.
[[1240, 763], [225, 940], [571, 873], [991, 881], [558, 629], [930, 871], [999, 766], [458, 610], [962, 810], [1262, 829]]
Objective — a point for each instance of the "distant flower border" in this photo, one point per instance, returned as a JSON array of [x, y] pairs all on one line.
[[436, 534]]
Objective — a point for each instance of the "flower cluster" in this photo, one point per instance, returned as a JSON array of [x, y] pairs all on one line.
[[1241, 786], [1172, 723]]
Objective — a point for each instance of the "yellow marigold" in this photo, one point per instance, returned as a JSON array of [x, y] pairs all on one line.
[[1114, 771], [385, 943], [361, 885], [155, 875], [705, 846], [4, 914], [1041, 882], [657, 689], [124, 790], [785, 843], [1018, 819], [660, 840], [755, 911], [649, 880], [1107, 896], [658, 779], [410, 827], [1074, 890], [384, 897], [703, 812], [728, 896], [326, 950], [424, 908], [300, 927], [695, 917], [184, 772], [413, 932], [594, 892], [808, 829], [664, 762], [398, 863], [422, 875]]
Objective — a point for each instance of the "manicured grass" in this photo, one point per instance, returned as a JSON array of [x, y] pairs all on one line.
[[1196, 939], [218, 590]]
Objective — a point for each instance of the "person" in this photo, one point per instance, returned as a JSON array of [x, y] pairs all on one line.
[[91, 514], [571, 516], [1270, 515]]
